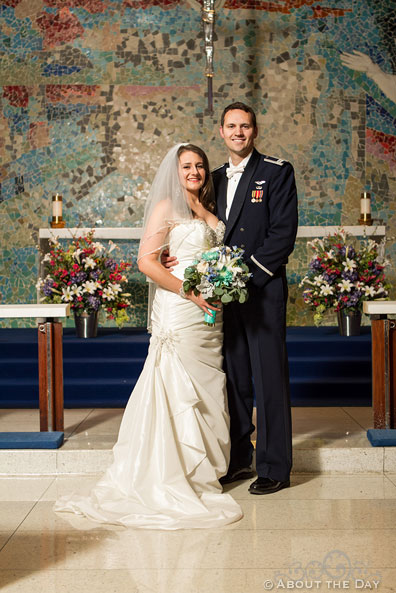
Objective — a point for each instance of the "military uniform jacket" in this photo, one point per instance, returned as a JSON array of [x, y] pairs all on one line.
[[263, 216]]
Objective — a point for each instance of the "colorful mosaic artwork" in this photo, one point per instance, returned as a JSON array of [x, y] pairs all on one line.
[[94, 92]]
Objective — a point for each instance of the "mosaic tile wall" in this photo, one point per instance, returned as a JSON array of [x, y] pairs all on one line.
[[94, 92]]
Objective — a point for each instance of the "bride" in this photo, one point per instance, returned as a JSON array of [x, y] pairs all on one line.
[[173, 444]]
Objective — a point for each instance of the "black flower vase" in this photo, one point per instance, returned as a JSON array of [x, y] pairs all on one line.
[[349, 322], [86, 324]]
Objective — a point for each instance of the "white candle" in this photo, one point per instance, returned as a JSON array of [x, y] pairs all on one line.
[[57, 206], [365, 203]]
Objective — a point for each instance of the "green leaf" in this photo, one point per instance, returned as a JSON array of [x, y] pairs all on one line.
[[226, 298]]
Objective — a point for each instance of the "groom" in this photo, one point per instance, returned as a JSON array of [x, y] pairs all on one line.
[[257, 199]]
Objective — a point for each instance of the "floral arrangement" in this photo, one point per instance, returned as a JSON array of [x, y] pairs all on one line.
[[342, 275], [85, 276], [219, 275]]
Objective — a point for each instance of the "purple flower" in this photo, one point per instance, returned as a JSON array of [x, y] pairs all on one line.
[[315, 264], [94, 302], [47, 288], [351, 275], [354, 298], [95, 274], [111, 264], [329, 277], [80, 277]]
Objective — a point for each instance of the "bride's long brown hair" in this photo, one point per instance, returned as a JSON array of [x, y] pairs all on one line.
[[206, 194]]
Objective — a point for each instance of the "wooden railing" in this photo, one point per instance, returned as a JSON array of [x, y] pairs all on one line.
[[383, 340], [50, 358]]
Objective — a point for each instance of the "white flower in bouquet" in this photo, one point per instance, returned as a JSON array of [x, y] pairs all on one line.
[[329, 254], [326, 290], [89, 263], [349, 265], [108, 293], [77, 254], [99, 247], [345, 286], [369, 291], [67, 294], [115, 288], [206, 288], [90, 286], [202, 267], [318, 281], [76, 290]]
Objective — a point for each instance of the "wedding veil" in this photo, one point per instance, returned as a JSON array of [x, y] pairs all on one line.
[[165, 206]]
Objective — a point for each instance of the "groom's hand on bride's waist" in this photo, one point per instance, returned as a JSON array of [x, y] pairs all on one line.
[[168, 261]]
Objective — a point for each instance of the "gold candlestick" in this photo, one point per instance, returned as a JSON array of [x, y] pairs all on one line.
[[365, 208], [57, 221]]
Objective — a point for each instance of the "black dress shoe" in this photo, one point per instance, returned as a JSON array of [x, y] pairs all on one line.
[[267, 486], [241, 474]]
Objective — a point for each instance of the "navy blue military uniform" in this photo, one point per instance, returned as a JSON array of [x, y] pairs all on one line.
[[263, 221]]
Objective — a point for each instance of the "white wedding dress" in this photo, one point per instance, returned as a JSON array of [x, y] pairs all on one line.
[[173, 444]]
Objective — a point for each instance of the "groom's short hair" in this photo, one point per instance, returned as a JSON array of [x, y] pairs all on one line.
[[242, 107]]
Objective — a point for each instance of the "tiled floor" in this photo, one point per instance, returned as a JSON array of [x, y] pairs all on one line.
[[327, 532], [98, 428]]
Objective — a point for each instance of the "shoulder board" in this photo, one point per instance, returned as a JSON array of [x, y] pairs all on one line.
[[219, 167], [274, 160]]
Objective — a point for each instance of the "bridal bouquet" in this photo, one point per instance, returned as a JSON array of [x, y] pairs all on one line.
[[342, 274], [219, 275], [86, 276]]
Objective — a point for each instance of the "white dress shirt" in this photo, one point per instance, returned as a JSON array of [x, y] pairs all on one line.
[[234, 180]]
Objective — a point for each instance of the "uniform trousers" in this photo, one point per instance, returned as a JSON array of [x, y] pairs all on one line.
[[256, 365]]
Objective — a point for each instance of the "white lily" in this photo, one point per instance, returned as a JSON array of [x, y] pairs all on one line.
[[112, 246], [77, 254], [115, 287], [90, 286], [89, 263], [318, 280], [326, 290], [76, 290], [329, 254], [349, 264], [67, 294], [369, 291], [345, 286], [108, 294]]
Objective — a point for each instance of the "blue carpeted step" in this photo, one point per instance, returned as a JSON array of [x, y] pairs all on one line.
[[31, 440], [332, 366], [325, 368], [76, 367], [78, 393], [326, 341], [111, 343]]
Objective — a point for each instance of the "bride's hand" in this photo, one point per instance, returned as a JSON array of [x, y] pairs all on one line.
[[204, 305]]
